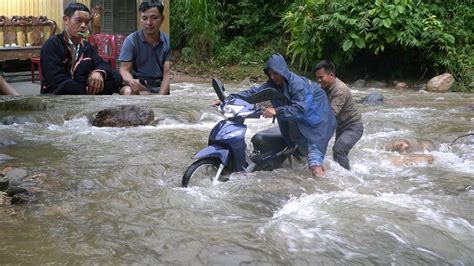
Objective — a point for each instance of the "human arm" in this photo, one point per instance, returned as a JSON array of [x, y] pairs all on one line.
[[337, 99], [6, 89], [95, 83], [127, 58], [298, 100], [165, 83], [128, 80]]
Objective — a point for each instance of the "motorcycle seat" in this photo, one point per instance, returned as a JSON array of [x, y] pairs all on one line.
[[268, 140]]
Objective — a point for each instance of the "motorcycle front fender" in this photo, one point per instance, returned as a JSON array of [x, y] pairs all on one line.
[[214, 151]]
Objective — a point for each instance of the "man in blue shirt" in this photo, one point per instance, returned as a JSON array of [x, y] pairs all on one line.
[[145, 55]]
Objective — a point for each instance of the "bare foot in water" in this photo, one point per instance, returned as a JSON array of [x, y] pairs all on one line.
[[317, 170]]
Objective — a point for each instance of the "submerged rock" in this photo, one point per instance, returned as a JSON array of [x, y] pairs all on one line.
[[4, 157], [123, 116], [6, 141], [359, 84], [10, 120], [376, 84], [400, 85], [19, 185], [412, 159], [24, 104], [404, 146], [373, 98]]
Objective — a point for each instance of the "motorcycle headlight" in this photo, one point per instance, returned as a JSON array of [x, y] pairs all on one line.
[[232, 110], [234, 134]]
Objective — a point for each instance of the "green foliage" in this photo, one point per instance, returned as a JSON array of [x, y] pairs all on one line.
[[399, 37], [241, 51], [195, 25], [438, 34], [242, 32], [256, 20]]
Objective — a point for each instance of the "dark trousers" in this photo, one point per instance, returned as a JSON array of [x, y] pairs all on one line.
[[346, 138], [111, 85]]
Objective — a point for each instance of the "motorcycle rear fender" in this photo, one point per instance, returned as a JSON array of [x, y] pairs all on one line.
[[214, 151]]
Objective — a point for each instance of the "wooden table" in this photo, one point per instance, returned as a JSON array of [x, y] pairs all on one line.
[[19, 53]]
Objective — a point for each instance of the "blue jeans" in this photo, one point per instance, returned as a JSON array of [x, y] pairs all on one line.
[[312, 152]]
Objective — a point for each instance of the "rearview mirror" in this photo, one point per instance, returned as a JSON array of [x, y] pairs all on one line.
[[219, 89]]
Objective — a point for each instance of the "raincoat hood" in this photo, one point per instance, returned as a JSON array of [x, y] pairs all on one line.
[[277, 63]]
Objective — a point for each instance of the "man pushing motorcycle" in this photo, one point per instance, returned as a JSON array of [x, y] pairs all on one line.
[[303, 112]]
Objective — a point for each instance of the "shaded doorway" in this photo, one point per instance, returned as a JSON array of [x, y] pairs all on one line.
[[118, 16]]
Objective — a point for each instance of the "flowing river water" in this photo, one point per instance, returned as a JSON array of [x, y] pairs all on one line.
[[112, 195]]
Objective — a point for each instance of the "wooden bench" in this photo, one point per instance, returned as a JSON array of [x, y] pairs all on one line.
[[21, 37]]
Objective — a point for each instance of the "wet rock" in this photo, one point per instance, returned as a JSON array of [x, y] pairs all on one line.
[[462, 188], [418, 87], [247, 82], [376, 84], [400, 85], [24, 197], [359, 84], [374, 98], [10, 120], [5, 141], [471, 107], [123, 116], [404, 146], [16, 175], [25, 104], [4, 200], [410, 152], [441, 83], [412, 159], [4, 157], [20, 187], [4, 182]]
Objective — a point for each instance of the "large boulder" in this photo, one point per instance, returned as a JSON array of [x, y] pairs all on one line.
[[123, 116], [441, 83], [374, 98]]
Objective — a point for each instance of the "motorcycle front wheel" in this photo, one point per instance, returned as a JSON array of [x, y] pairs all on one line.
[[201, 173]]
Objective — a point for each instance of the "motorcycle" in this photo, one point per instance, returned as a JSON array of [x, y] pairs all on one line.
[[226, 152]]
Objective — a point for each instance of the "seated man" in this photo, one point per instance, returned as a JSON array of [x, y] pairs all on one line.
[[5, 88], [303, 112], [71, 65], [145, 56]]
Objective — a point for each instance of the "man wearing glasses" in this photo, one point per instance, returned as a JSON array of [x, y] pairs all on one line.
[[146, 55]]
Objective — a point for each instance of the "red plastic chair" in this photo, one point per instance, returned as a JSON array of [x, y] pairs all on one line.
[[119, 39], [35, 61], [105, 46]]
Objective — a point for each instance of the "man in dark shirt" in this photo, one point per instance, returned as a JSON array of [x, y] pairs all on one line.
[[71, 65], [349, 120], [145, 56]]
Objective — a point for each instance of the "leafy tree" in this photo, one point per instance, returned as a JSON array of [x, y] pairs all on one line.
[[417, 33]]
